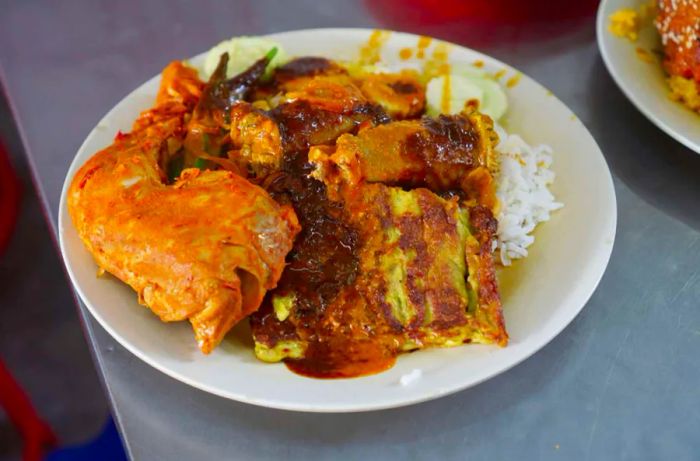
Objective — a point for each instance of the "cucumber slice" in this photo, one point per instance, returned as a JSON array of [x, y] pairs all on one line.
[[495, 102], [461, 89], [242, 53]]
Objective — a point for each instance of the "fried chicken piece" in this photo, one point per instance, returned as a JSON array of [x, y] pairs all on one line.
[[205, 249], [444, 154]]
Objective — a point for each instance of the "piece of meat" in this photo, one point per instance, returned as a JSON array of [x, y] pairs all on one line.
[[292, 74], [207, 129], [261, 138], [332, 93], [315, 102], [256, 139], [321, 85], [205, 249], [401, 95], [444, 154]]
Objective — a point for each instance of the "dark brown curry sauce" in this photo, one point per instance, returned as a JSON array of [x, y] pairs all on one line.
[[323, 263], [340, 358], [302, 124], [447, 146], [324, 257]]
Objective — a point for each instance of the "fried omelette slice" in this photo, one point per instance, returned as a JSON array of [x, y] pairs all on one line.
[[423, 277], [205, 249], [428, 265], [451, 152]]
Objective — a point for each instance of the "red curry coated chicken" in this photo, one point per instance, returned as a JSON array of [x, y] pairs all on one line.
[[205, 248]]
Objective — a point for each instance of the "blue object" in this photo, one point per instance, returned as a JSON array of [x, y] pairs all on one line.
[[106, 447]]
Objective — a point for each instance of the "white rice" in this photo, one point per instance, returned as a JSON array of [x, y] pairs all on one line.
[[524, 195]]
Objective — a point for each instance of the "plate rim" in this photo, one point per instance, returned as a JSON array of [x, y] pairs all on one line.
[[602, 253], [614, 71]]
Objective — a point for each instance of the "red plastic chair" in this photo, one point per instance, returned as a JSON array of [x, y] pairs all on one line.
[[37, 435], [9, 198]]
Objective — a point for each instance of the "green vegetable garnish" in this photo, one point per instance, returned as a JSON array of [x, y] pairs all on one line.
[[200, 163], [243, 52], [271, 54], [175, 166]]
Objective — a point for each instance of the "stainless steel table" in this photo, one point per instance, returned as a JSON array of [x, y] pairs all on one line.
[[621, 382]]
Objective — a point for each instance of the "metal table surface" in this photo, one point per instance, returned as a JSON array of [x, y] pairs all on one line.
[[621, 382]]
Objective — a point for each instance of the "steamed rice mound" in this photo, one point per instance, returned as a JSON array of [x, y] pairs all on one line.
[[523, 179]]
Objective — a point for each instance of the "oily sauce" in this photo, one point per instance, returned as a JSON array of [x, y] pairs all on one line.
[[323, 263], [370, 52], [343, 359], [322, 271], [324, 258], [423, 44]]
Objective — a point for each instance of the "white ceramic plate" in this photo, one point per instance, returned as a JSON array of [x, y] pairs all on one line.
[[541, 295], [644, 83]]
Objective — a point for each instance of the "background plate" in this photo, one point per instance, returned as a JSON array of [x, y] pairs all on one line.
[[644, 83], [541, 295]]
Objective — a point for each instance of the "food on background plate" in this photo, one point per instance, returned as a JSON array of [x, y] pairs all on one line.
[[351, 211], [678, 24]]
